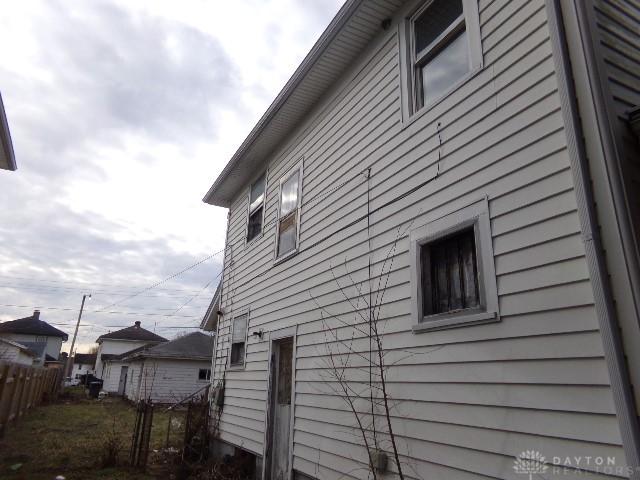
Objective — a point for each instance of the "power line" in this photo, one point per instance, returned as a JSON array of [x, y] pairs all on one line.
[[68, 309], [58, 290], [118, 326], [165, 279]]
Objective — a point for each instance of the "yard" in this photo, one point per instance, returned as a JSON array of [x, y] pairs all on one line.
[[69, 438]]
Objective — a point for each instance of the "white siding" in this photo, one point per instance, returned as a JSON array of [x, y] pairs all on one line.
[[113, 347], [165, 381], [469, 399], [54, 344]]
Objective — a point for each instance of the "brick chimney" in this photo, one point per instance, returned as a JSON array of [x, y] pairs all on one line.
[[36, 314], [137, 324]]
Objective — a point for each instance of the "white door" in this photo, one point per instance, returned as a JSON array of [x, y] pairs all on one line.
[[281, 393]]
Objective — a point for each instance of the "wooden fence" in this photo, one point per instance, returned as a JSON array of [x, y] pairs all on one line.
[[22, 388]]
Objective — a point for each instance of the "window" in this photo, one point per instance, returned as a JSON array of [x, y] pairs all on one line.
[[238, 340], [452, 272], [256, 208], [441, 46], [289, 213], [41, 339], [204, 374]]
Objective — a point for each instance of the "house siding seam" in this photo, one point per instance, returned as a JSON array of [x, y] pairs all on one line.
[[473, 398]]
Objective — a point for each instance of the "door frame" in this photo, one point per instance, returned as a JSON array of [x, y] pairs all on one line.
[[120, 380], [275, 337]]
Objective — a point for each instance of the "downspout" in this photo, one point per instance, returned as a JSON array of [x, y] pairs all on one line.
[[602, 293]]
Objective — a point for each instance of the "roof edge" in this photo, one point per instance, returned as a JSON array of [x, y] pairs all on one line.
[[5, 138], [312, 57]]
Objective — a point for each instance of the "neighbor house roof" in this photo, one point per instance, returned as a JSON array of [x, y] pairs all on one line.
[[36, 348], [7, 157], [134, 332], [346, 37], [85, 358], [210, 320], [194, 346], [32, 326]]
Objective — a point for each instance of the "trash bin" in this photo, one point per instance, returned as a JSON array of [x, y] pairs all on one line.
[[94, 388]]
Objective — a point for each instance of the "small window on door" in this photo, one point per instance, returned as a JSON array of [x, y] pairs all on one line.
[[204, 374], [256, 208], [289, 213], [238, 340]]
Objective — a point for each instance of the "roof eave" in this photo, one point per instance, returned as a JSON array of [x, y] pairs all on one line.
[[7, 156], [214, 196]]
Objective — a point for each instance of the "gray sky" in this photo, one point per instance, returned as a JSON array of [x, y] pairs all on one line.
[[122, 113]]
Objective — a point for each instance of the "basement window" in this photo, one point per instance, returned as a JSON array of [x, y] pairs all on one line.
[[256, 208], [441, 46], [452, 271], [289, 213], [204, 374], [238, 340]]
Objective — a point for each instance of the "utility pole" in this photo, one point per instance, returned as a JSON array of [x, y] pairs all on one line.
[[69, 365]]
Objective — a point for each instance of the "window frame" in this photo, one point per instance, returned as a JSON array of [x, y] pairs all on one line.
[[474, 216], [238, 366], [264, 203], [298, 167], [207, 374], [412, 106]]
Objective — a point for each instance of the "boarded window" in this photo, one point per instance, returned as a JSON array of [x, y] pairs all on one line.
[[450, 274], [238, 339]]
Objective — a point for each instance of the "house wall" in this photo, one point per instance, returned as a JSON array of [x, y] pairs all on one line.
[[468, 399], [113, 347], [81, 369], [54, 344], [11, 353], [165, 381], [111, 378]]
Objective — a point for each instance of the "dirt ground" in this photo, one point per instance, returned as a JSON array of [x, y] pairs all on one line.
[[68, 438]]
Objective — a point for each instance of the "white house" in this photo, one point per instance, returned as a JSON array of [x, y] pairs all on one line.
[[171, 371], [109, 365], [83, 364], [15, 352], [449, 174], [43, 339]]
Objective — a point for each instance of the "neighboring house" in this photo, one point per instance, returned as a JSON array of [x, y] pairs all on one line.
[[171, 371], [109, 365], [16, 353], [83, 364], [7, 157], [468, 163], [43, 339]]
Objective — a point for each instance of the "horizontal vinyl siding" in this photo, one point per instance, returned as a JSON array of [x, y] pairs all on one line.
[[167, 381], [468, 399]]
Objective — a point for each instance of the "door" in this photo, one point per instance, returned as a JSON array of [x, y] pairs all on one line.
[[123, 380], [280, 410]]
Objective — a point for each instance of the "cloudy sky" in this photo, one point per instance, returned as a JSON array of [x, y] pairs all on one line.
[[122, 113]]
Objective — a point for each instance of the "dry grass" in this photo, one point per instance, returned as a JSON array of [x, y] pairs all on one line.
[[69, 438]]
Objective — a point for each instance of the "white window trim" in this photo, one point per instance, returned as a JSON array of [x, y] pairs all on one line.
[[299, 167], [238, 366], [476, 215], [408, 91], [264, 204]]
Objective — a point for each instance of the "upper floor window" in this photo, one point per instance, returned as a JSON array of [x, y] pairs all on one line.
[[442, 46], [41, 339], [256, 208], [289, 212]]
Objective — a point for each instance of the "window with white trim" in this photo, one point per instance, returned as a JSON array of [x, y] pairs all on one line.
[[289, 212], [238, 340], [256, 208], [441, 46], [453, 279]]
